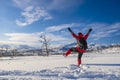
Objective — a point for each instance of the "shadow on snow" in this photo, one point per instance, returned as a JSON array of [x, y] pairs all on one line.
[[95, 64]]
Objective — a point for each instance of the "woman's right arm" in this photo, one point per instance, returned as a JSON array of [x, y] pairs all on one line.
[[73, 34]]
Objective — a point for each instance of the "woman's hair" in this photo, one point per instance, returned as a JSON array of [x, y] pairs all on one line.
[[80, 34]]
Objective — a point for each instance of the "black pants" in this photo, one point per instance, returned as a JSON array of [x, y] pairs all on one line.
[[75, 50]]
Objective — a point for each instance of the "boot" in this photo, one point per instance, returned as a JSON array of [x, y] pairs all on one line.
[[67, 53], [79, 62]]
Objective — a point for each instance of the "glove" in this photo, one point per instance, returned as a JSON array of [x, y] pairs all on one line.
[[90, 30], [69, 29]]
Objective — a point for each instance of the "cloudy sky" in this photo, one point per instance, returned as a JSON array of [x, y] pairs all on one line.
[[23, 21]]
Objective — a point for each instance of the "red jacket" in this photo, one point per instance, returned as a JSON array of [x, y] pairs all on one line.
[[79, 36]]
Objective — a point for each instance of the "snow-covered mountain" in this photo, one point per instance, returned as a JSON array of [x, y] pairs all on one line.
[[5, 46], [26, 47], [8, 49], [66, 47], [111, 50], [92, 46], [17, 47]]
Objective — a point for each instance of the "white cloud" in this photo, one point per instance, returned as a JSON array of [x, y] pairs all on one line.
[[48, 4], [102, 30], [22, 3], [32, 39], [100, 35], [24, 37], [34, 10], [31, 12], [60, 27], [31, 15], [56, 37]]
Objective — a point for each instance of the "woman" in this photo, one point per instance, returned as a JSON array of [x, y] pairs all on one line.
[[81, 44]]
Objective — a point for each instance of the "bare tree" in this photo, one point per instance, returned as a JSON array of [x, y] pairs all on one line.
[[14, 52], [1, 51], [45, 44]]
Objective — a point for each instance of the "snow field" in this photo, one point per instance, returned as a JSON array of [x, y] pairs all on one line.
[[104, 66]]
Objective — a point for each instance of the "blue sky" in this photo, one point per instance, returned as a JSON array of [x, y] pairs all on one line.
[[23, 21]]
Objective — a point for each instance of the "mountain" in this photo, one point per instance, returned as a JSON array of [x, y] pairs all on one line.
[[94, 46], [91, 46], [4, 46], [66, 47], [19, 47], [26, 47]]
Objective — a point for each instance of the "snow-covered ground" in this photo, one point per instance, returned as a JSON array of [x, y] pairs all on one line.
[[95, 66]]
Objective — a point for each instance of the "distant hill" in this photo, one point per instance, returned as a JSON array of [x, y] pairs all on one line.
[[66, 47], [25, 47], [19, 47], [5, 46], [91, 46], [29, 50]]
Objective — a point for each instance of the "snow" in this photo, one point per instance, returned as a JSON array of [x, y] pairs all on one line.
[[96, 66]]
